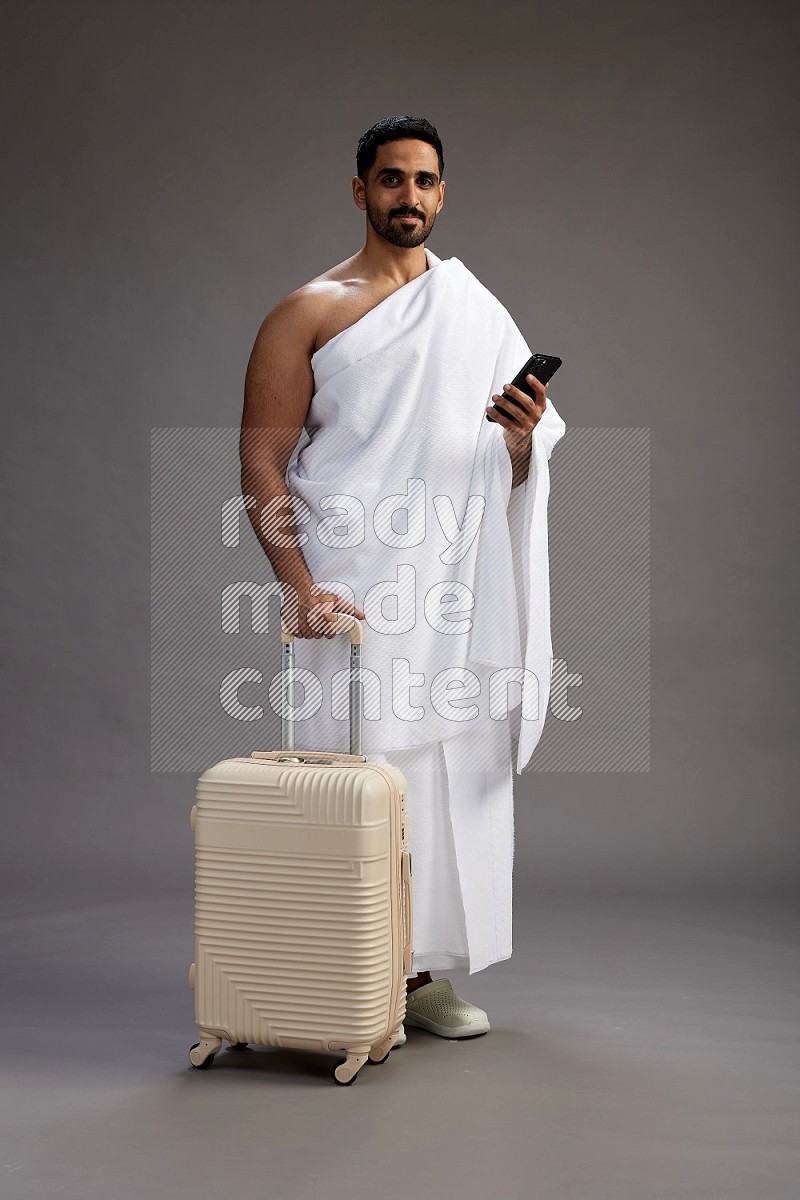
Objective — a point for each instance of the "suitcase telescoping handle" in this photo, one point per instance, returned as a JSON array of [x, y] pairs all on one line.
[[345, 623]]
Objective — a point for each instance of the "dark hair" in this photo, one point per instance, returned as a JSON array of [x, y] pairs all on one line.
[[391, 129]]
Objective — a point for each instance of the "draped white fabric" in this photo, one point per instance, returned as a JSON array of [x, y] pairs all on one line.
[[404, 506], [397, 418], [460, 802]]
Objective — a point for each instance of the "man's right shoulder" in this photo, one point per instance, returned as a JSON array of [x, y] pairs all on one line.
[[304, 311]]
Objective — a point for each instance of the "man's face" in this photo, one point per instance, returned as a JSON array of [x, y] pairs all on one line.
[[404, 179]]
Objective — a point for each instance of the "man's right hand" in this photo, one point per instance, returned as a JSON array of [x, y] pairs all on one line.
[[309, 613]]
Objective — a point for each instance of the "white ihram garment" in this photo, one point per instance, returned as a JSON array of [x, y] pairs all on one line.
[[460, 809], [400, 456]]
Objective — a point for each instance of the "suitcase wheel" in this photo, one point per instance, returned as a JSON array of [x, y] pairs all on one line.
[[201, 1056], [336, 1079], [239, 1045], [346, 1069]]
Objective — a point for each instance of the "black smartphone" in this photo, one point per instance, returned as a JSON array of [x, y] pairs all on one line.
[[543, 367]]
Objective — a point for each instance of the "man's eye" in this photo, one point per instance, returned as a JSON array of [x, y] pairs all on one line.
[[392, 179]]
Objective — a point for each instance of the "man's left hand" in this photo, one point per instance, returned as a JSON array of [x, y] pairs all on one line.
[[525, 419]]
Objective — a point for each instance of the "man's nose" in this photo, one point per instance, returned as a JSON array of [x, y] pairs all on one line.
[[409, 197]]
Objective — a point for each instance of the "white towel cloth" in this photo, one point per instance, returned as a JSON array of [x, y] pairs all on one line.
[[398, 412], [460, 802], [400, 458]]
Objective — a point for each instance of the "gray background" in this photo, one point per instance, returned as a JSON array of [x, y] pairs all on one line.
[[620, 177], [623, 178]]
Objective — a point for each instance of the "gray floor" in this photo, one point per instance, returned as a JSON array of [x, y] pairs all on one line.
[[640, 1050]]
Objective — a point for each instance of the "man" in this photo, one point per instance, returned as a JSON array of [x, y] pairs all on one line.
[[388, 360]]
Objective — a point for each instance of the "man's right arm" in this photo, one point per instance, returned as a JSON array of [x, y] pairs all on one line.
[[279, 384]]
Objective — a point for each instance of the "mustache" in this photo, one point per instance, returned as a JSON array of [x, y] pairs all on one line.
[[408, 213]]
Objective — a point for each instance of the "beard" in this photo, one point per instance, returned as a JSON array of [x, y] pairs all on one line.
[[392, 230]]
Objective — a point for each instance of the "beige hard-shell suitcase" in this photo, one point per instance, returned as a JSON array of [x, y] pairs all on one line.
[[303, 896]]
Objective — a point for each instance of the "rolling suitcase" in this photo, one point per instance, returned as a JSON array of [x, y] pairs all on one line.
[[303, 896]]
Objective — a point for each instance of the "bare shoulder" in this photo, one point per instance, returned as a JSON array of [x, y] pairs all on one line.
[[303, 316], [338, 298], [333, 300]]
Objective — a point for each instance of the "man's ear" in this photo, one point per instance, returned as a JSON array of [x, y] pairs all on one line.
[[358, 193], [441, 196]]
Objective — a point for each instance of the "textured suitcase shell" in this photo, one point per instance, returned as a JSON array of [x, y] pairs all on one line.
[[303, 905]]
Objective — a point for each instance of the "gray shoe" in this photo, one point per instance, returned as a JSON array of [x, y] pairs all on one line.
[[435, 1006]]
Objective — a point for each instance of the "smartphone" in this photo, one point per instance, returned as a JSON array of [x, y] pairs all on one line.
[[543, 367]]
